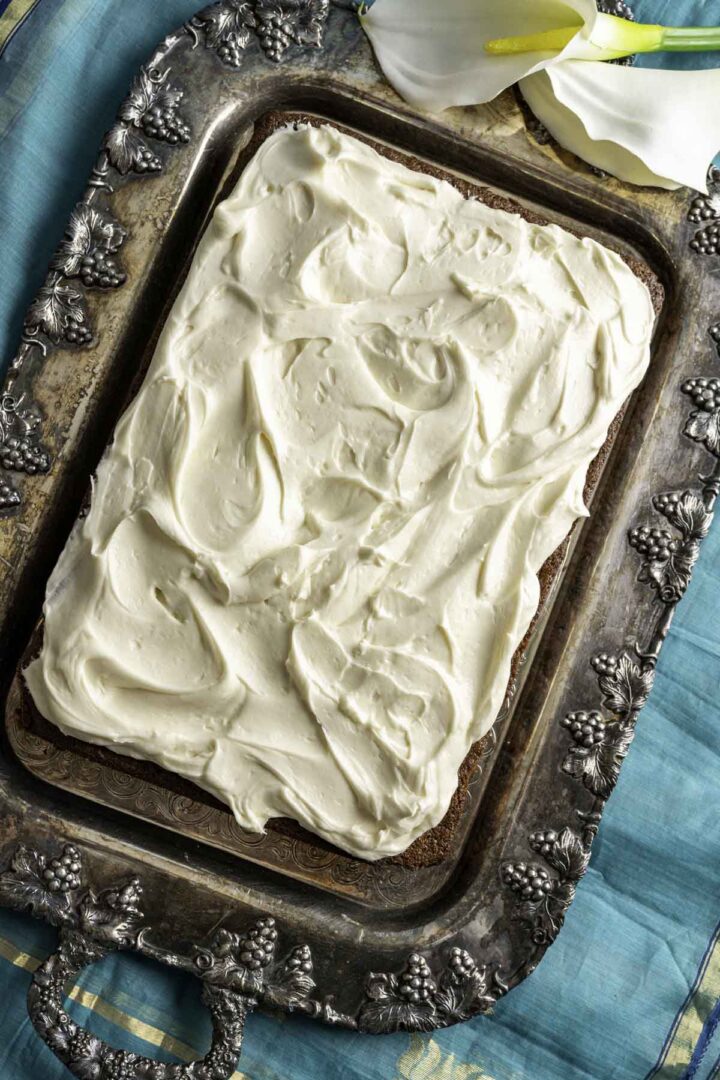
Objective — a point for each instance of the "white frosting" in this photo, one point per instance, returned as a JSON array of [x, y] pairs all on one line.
[[313, 545]]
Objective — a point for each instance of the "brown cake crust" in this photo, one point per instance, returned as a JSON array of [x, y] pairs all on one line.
[[438, 843]]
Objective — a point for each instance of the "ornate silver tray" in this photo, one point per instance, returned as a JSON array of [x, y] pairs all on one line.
[[283, 922]]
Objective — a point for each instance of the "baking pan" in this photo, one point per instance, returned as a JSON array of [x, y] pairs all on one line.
[[118, 860], [153, 793]]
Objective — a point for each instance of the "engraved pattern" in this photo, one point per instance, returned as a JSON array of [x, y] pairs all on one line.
[[389, 883], [150, 111], [668, 560], [705, 210], [91, 240], [415, 1001], [237, 971], [58, 313], [543, 899], [85, 1055], [149, 117], [95, 924], [598, 749], [40, 885], [20, 447], [425, 993], [704, 421], [600, 742], [229, 26]]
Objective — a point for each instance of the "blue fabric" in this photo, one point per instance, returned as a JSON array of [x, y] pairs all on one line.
[[632, 987]]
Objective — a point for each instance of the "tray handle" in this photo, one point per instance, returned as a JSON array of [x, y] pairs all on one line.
[[89, 1058]]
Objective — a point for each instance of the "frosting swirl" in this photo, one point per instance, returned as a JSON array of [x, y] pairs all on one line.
[[313, 544]]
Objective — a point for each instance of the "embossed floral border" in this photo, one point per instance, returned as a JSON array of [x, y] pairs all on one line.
[[668, 548], [89, 256], [238, 970]]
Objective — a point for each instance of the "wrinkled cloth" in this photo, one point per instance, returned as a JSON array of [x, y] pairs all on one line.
[[631, 989]]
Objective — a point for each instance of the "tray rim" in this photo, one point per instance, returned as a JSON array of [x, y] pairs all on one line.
[[190, 814], [382, 1007]]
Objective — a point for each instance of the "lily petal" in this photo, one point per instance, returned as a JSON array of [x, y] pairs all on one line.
[[434, 53], [644, 125]]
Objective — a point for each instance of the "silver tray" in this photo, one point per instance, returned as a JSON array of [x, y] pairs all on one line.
[[285, 921]]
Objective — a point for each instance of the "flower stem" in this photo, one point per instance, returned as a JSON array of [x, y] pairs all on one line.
[[690, 38], [612, 38]]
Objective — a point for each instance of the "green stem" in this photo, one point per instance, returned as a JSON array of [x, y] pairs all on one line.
[[690, 39], [613, 37]]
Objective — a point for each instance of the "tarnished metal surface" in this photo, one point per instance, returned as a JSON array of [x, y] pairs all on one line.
[[388, 947]]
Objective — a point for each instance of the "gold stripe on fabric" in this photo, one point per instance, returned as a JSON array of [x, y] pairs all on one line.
[[12, 15], [147, 1032], [425, 1059], [687, 1031], [10, 952]]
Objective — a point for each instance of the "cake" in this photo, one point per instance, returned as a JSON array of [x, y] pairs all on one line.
[[313, 546]]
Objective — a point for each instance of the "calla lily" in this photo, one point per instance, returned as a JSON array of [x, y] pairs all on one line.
[[434, 55], [646, 126]]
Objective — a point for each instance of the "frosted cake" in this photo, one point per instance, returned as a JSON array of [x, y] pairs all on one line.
[[313, 545]]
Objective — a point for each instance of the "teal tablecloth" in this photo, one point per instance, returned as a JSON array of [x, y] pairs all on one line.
[[631, 989]]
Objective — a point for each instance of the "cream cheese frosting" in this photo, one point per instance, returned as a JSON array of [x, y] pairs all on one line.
[[313, 545]]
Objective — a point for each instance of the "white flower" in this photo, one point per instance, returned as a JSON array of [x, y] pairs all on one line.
[[645, 126], [433, 51]]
